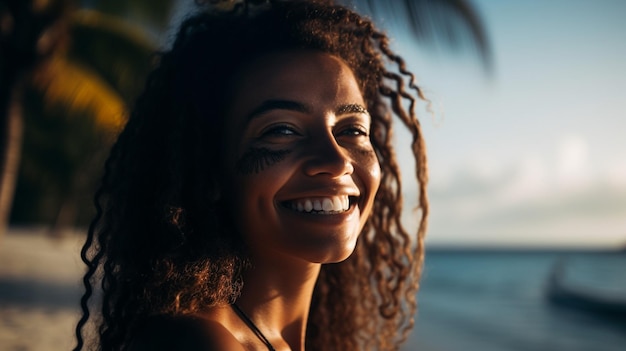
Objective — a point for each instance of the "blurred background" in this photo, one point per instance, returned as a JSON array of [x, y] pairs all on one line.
[[526, 247]]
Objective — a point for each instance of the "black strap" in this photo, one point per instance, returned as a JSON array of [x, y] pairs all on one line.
[[252, 327]]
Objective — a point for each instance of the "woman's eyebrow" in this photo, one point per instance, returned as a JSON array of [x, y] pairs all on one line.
[[269, 105], [351, 108]]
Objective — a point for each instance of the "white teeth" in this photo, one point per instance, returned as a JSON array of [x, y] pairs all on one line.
[[327, 205], [334, 204], [337, 204], [317, 205]]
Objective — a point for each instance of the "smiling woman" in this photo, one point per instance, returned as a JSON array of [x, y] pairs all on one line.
[[309, 130], [253, 201]]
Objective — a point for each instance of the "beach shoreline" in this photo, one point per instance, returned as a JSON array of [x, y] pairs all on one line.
[[40, 288]]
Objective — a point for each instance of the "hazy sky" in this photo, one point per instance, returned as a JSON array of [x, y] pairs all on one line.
[[535, 153]]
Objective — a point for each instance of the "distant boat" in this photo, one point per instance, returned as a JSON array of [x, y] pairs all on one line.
[[584, 300]]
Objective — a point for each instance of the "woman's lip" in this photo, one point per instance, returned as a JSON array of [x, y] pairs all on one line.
[[327, 218], [336, 203], [287, 202], [317, 195]]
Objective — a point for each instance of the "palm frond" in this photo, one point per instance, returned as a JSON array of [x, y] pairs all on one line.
[[117, 50], [155, 13], [78, 90], [450, 22]]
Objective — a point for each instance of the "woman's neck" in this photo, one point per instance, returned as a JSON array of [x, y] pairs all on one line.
[[277, 296]]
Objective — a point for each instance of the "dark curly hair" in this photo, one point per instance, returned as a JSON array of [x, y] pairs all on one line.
[[161, 242]]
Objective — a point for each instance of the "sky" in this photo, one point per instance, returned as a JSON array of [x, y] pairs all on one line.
[[533, 153]]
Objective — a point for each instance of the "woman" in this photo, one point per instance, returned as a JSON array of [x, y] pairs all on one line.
[[253, 200]]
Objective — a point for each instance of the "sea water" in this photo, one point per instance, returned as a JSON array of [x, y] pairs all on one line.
[[496, 301]]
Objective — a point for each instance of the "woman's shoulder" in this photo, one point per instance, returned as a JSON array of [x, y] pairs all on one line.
[[189, 333]]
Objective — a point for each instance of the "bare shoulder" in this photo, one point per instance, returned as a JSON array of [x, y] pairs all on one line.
[[221, 338], [190, 333]]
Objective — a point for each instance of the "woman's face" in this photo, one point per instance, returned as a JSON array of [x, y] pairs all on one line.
[[300, 171]]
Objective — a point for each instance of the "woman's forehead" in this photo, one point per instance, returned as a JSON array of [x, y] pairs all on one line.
[[292, 68], [290, 62], [308, 77]]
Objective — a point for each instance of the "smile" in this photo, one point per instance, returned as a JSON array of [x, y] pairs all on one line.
[[321, 205]]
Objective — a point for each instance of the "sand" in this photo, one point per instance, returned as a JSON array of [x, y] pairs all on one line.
[[40, 289]]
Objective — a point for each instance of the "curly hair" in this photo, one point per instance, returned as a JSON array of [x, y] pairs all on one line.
[[161, 242]]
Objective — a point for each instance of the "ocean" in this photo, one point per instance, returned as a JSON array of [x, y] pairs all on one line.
[[497, 301]]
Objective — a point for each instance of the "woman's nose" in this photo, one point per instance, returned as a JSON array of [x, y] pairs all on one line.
[[326, 157]]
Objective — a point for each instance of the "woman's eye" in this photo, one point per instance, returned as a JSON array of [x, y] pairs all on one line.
[[278, 131], [354, 131]]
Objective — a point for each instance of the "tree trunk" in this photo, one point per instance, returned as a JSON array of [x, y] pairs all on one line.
[[12, 150]]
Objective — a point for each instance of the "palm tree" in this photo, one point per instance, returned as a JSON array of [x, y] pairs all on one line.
[[75, 65], [84, 99], [28, 35]]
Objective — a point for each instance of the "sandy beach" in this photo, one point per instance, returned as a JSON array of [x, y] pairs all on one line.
[[39, 289]]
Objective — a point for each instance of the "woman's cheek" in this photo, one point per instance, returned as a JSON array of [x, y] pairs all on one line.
[[366, 158], [256, 160]]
